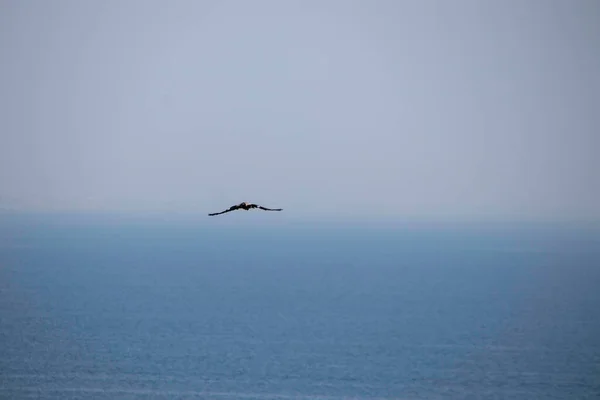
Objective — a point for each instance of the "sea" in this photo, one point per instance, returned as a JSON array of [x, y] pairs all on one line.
[[246, 307]]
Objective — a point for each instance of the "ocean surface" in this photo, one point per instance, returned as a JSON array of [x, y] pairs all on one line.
[[101, 308]]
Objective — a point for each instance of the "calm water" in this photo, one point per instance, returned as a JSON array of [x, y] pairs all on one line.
[[162, 310]]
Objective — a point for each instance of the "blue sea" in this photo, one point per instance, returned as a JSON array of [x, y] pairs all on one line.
[[241, 307]]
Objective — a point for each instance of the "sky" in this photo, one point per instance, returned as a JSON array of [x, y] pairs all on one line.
[[465, 109]]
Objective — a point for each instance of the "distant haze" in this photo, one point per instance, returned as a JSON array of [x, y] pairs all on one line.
[[352, 108]]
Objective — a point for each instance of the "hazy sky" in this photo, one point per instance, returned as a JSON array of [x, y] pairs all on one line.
[[404, 108]]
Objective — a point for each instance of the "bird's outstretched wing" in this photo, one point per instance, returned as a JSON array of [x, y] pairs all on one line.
[[232, 208], [270, 209]]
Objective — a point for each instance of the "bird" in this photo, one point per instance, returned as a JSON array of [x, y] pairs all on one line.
[[245, 206]]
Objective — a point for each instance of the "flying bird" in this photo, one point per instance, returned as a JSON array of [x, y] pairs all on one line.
[[245, 206]]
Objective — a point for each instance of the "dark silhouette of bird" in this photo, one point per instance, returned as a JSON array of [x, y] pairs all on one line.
[[245, 206]]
